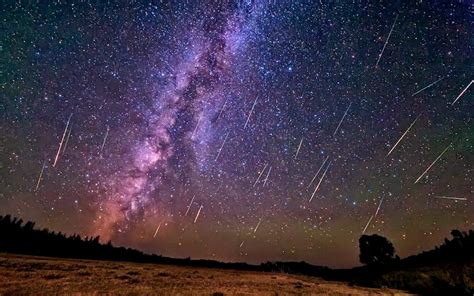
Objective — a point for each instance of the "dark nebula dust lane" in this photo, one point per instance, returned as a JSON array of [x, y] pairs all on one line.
[[240, 130]]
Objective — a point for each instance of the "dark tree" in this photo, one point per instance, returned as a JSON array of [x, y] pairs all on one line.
[[375, 249]]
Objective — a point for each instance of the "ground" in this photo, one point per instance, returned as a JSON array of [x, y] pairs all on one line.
[[39, 275]]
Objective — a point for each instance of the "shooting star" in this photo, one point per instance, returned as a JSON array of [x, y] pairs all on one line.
[[156, 231], [464, 90], [317, 173], [378, 208], [437, 158], [222, 110], [195, 129], [62, 141], [400, 139], [451, 197], [67, 139], [190, 204], [105, 139], [367, 225], [320, 181], [40, 176], [266, 178], [386, 41], [197, 215], [260, 175], [223, 143], [374, 215], [299, 147], [258, 224], [342, 119], [250, 113], [428, 86]]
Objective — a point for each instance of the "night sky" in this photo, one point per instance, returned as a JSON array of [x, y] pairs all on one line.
[[240, 131]]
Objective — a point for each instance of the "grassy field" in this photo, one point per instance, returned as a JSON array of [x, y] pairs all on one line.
[[39, 276]]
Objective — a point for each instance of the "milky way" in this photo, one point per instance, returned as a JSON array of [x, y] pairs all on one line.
[[240, 130]]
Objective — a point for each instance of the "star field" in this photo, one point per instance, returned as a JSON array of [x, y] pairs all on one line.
[[239, 130]]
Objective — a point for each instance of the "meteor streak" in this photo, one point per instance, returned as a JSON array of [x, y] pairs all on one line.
[[378, 208], [266, 178], [317, 173], [400, 139], [320, 181], [156, 231], [67, 138], [190, 204], [451, 197], [258, 224], [463, 91], [299, 147], [342, 119], [62, 140], [223, 143], [250, 113], [197, 215], [437, 158], [386, 41], [428, 86], [222, 110], [40, 176], [367, 225], [105, 139], [195, 129], [260, 175]]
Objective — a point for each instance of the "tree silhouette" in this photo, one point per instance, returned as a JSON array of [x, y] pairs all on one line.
[[375, 249]]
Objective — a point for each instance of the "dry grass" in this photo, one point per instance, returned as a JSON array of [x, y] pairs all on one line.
[[46, 276]]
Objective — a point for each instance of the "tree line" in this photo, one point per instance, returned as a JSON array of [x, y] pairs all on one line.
[[382, 266]]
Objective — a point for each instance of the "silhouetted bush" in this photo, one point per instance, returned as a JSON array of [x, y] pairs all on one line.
[[375, 249]]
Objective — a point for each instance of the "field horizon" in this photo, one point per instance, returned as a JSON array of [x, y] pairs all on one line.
[[25, 274]]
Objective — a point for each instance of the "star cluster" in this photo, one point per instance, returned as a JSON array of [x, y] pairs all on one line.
[[239, 130]]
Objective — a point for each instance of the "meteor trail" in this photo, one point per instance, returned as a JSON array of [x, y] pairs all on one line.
[[195, 129], [222, 109], [67, 138], [317, 173], [190, 204], [463, 91], [378, 208], [320, 181], [250, 113], [156, 231], [299, 147], [40, 176], [374, 215], [258, 224], [367, 225], [266, 178], [105, 139], [437, 158], [197, 215], [223, 143], [399, 140], [260, 175], [428, 86], [451, 197], [222, 146], [62, 140], [340, 122], [386, 41]]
